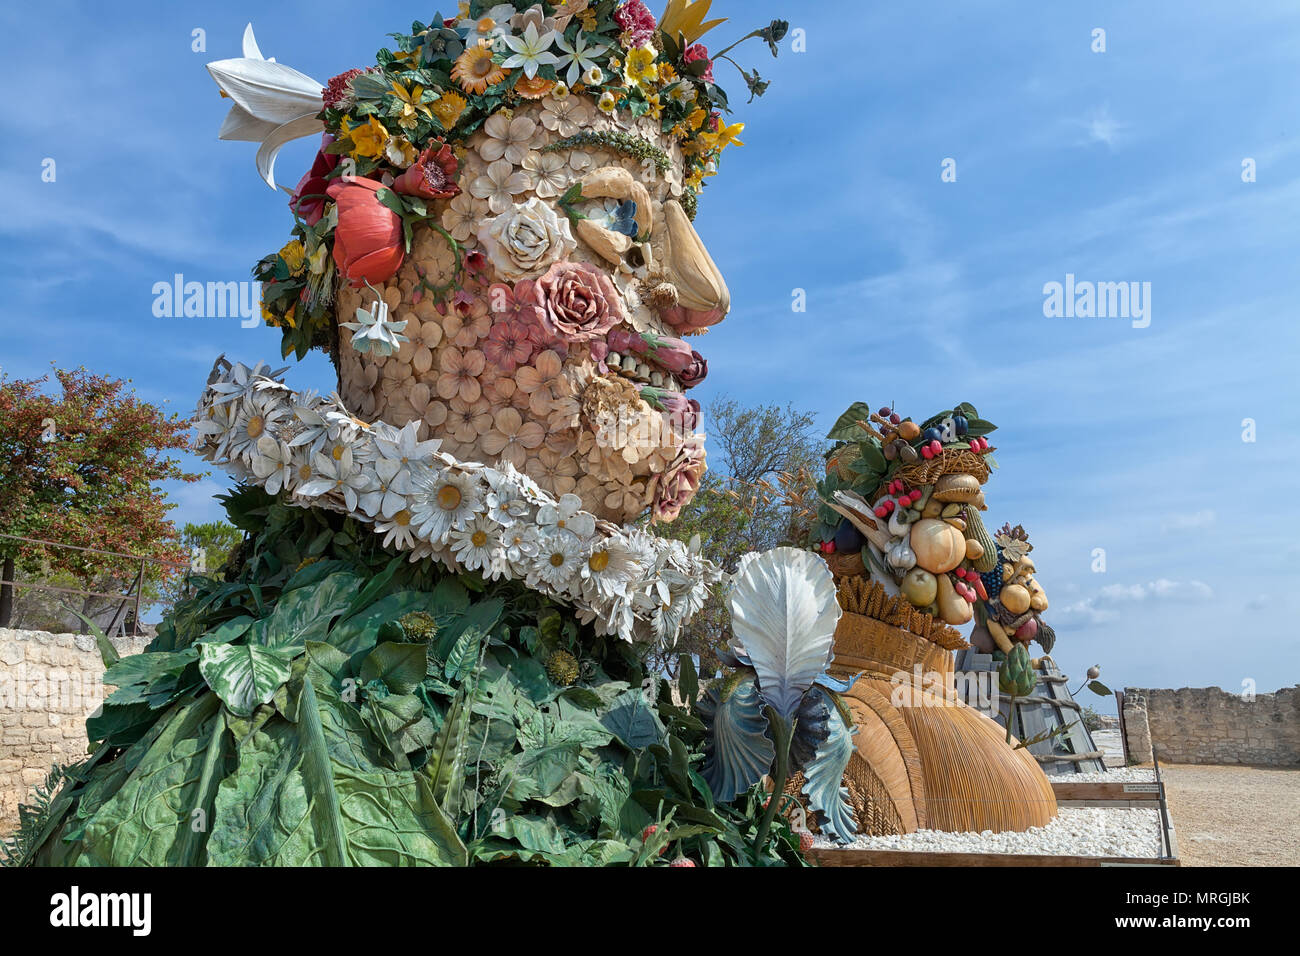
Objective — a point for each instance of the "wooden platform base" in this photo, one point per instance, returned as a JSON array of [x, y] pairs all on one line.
[[912, 858]]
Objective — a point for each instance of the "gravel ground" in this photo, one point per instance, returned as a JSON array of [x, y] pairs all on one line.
[[1234, 816], [1118, 775], [1076, 831]]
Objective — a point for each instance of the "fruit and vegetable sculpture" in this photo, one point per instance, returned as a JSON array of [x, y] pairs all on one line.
[[899, 524], [901, 507], [1012, 601]]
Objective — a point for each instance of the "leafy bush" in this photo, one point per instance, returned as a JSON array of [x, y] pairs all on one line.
[[332, 704]]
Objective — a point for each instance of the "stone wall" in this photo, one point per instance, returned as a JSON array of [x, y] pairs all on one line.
[[49, 683], [1210, 726]]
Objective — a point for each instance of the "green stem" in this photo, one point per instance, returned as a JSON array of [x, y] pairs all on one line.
[[781, 732], [1011, 713]]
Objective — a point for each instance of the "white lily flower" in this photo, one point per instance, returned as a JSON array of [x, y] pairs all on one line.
[[338, 477], [373, 333], [273, 103], [392, 485], [580, 55], [530, 50]]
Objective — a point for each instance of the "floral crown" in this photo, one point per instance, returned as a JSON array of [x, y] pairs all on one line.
[[404, 121]]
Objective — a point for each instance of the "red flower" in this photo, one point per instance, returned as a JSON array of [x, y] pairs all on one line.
[[699, 51], [637, 22], [368, 244], [432, 176], [337, 93], [308, 200]]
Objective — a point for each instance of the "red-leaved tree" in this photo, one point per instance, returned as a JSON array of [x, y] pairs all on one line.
[[81, 468]]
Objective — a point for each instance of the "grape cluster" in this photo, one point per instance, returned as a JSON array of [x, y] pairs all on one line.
[[993, 579]]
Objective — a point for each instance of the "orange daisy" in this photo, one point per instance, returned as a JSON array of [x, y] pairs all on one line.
[[475, 70]]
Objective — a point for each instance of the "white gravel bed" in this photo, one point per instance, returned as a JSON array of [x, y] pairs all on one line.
[[1118, 775], [1076, 831]]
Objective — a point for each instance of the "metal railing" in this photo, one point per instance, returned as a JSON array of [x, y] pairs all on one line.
[[133, 593]]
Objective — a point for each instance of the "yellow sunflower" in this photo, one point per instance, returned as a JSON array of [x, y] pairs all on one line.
[[475, 70], [294, 256]]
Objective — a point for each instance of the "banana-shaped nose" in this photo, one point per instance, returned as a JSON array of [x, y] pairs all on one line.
[[702, 297]]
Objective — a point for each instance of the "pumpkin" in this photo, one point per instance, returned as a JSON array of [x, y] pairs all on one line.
[[939, 547]]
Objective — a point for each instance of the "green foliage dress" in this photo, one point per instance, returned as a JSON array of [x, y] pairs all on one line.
[[334, 704]]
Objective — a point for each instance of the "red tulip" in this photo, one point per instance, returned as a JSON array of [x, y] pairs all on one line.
[[368, 244], [432, 176], [308, 200]]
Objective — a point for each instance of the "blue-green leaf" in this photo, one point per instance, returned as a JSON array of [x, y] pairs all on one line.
[[737, 748], [824, 774], [244, 675]]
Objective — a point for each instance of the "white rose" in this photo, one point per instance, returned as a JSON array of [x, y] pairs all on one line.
[[526, 240]]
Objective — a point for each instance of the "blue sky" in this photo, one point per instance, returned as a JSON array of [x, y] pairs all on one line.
[[1117, 166]]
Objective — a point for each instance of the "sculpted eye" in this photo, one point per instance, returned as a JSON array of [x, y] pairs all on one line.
[[632, 216]]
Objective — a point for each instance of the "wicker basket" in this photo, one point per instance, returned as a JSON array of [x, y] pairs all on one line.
[[953, 461]]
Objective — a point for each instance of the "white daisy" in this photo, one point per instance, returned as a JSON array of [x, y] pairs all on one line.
[[397, 531], [442, 501], [477, 546], [557, 562], [520, 543], [256, 415], [609, 568]]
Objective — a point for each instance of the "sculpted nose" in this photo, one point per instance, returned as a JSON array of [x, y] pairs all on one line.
[[702, 297]]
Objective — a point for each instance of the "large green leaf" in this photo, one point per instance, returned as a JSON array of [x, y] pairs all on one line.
[[358, 632], [151, 677], [245, 675], [633, 721], [846, 427], [305, 614], [400, 666], [144, 821]]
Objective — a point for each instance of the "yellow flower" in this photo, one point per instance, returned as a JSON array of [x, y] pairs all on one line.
[[449, 108], [475, 69], [666, 73], [608, 103], [560, 91], [400, 152], [656, 108], [695, 179], [369, 139], [726, 135], [641, 67], [412, 108], [294, 256], [679, 131], [588, 20], [289, 316], [696, 119]]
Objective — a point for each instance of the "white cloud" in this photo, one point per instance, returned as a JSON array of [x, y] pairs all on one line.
[[1188, 522], [1101, 127], [1103, 607]]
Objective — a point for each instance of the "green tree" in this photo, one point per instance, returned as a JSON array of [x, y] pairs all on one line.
[[81, 467], [207, 547], [757, 494]]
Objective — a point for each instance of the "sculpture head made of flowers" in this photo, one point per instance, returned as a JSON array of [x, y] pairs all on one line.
[[496, 243]]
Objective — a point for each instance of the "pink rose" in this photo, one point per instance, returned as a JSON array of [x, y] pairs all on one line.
[[308, 200], [699, 51], [579, 303], [674, 489]]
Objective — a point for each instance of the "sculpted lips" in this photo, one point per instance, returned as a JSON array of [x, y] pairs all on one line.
[[657, 360]]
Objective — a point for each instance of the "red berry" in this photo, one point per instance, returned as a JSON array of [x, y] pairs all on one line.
[[884, 412], [916, 495], [936, 446], [881, 512], [649, 832], [960, 572], [805, 841], [682, 861], [828, 547], [927, 452], [890, 505], [895, 419]]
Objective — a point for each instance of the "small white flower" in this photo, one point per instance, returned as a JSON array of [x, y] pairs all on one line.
[[477, 546], [336, 477], [610, 568], [566, 516], [505, 499], [405, 447], [274, 465], [372, 333], [580, 57], [442, 501], [557, 561], [392, 483], [520, 543], [397, 530], [241, 381], [531, 50], [494, 23], [560, 91], [608, 103], [594, 76], [255, 417]]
